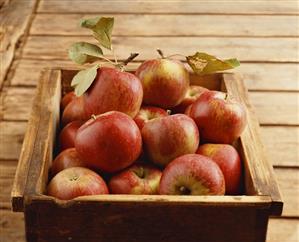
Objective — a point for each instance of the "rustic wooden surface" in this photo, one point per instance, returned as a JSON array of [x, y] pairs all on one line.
[[262, 34]]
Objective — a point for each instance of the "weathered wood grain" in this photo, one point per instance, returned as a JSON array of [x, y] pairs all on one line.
[[281, 142], [280, 230], [276, 107], [38, 140], [11, 139], [26, 72], [257, 76], [170, 6], [259, 172], [245, 49], [270, 76], [271, 107], [14, 18], [2, 2], [45, 222], [281, 145], [171, 25], [12, 227], [7, 173], [16, 103], [288, 180]]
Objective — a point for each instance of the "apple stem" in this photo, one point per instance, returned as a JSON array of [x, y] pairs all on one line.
[[140, 172], [184, 190], [226, 96], [93, 117], [130, 58], [161, 53]]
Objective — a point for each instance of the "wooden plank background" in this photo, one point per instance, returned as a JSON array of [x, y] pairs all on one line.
[[263, 34]]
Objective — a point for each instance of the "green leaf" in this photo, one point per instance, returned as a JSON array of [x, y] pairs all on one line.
[[82, 52], [202, 63], [102, 29], [83, 79], [89, 23]]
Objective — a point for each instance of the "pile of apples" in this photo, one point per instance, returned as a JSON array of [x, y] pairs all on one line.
[[148, 133]]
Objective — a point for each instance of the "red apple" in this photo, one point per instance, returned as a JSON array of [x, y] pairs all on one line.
[[192, 94], [67, 98], [165, 82], [169, 137], [109, 142], [68, 134], [66, 159], [192, 174], [74, 111], [228, 159], [137, 179], [113, 90], [147, 113], [220, 119], [188, 110], [76, 181]]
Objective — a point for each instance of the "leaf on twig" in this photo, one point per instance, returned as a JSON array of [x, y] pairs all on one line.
[[202, 63], [102, 29], [83, 79], [82, 52]]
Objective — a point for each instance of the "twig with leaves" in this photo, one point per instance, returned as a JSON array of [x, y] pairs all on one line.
[[101, 27]]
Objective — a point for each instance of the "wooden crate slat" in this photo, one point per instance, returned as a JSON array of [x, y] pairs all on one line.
[[268, 105], [260, 172], [14, 19], [279, 229], [257, 76], [173, 25], [245, 49], [37, 146], [153, 216], [169, 6]]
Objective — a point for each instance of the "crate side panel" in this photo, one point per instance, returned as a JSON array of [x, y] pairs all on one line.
[[259, 168], [129, 222]]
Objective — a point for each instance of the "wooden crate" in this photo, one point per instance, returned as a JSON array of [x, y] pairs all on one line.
[[141, 218]]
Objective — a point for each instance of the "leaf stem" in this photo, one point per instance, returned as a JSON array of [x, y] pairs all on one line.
[[115, 60], [106, 59]]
